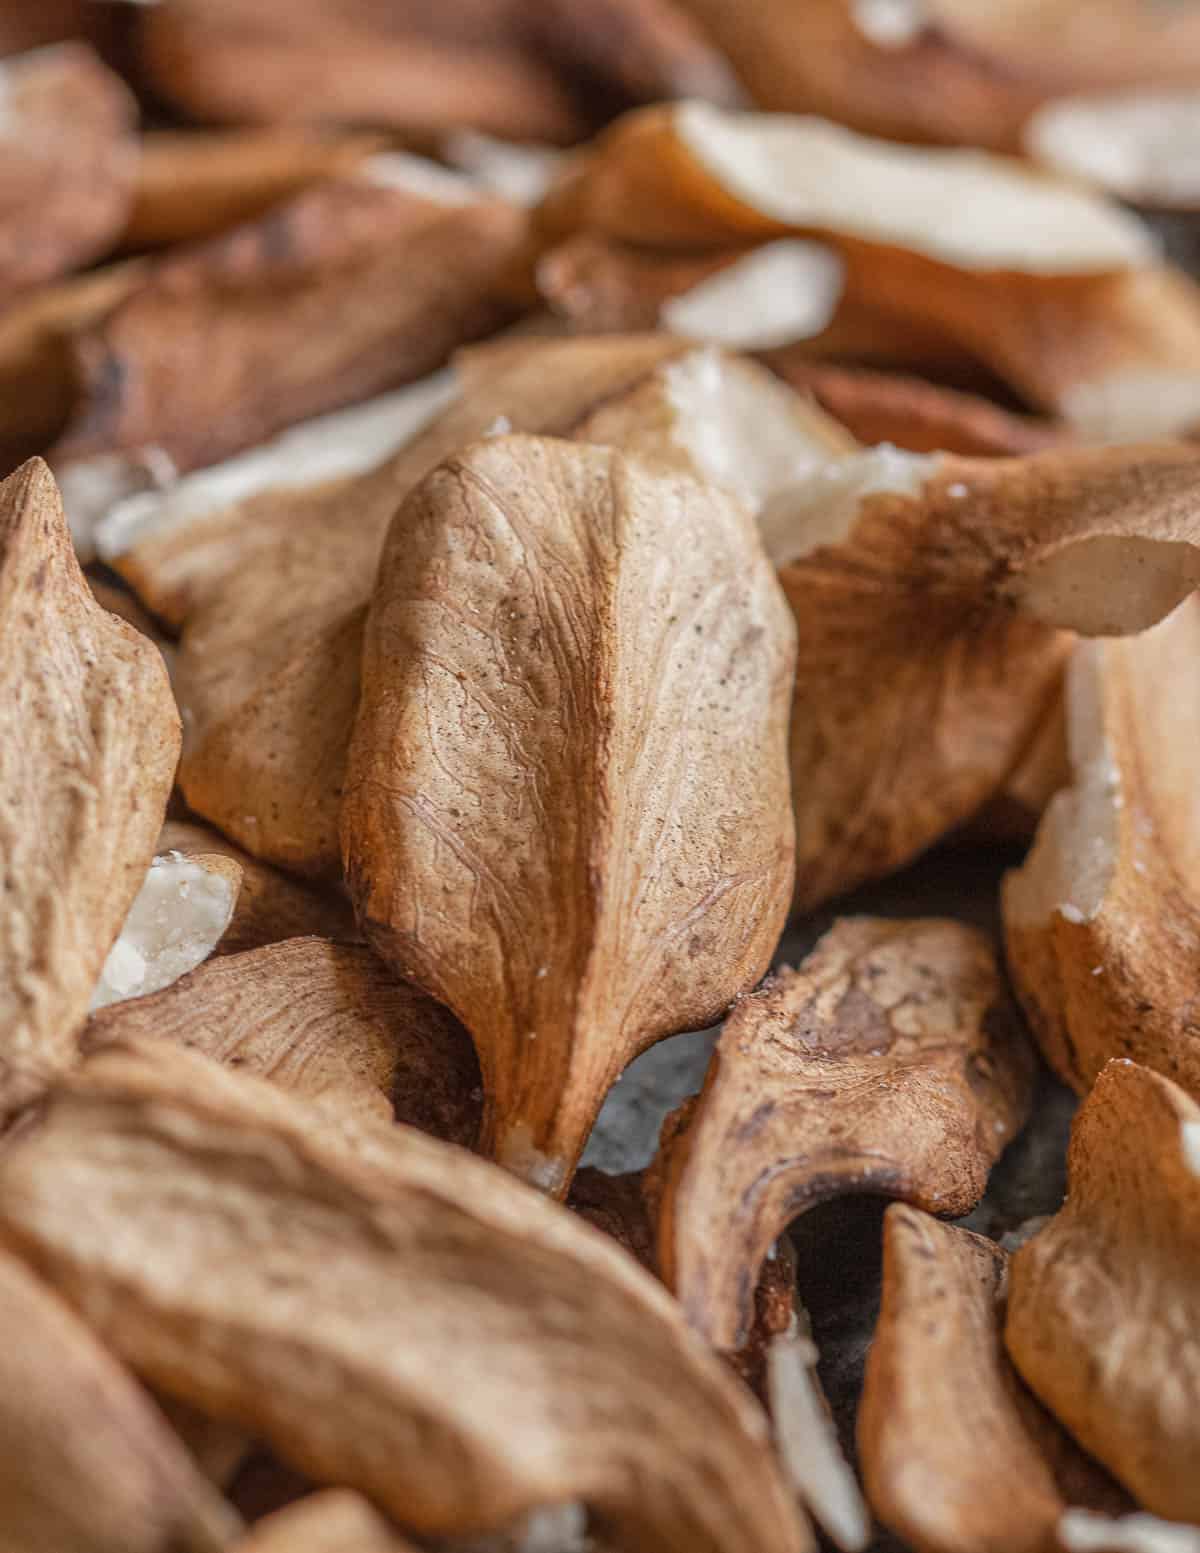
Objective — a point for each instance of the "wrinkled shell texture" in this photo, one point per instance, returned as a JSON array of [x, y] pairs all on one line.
[[1102, 1303], [890, 1063], [653, 540], [88, 751], [580, 774], [271, 692], [500, 1304], [323, 1020]]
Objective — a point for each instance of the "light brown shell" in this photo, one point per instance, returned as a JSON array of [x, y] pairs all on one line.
[[817, 58], [192, 183], [1102, 1301], [1113, 41], [37, 384], [271, 690], [913, 413], [326, 1021], [957, 1456], [1115, 355], [1102, 921], [516, 72], [565, 810], [388, 1312], [889, 1063], [928, 654], [598, 285], [603, 287], [335, 1521], [87, 1462], [87, 757], [347, 290], [68, 154]]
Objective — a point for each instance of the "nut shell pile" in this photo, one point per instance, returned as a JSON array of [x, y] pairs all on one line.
[[599, 770]]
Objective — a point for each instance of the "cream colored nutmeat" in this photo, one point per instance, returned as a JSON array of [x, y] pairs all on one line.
[[1102, 920]]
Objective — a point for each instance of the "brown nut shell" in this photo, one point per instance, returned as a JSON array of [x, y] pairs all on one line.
[[387, 1311], [1102, 1301], [957, 1456], [889, 1063], [326, 1021], [88, 1464], [1102, 921], [87, 758], [565, 811]]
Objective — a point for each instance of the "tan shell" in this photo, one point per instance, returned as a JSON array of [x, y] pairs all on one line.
[[565, 810], [926, 593], [912, 413], [87, 757], [87, 1463], [524, 74], [1102, 921], [1115, 356], [68, 155], [1102, 1301], [270, 905], [957, 1456], [890, 1063], [350, 289], [821, 58], [469, 1351], [1113, 41], [193, 183], [37, 385], [271, 691], [336, 1521], [870, 333], [543, 386], [326, 1021]]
